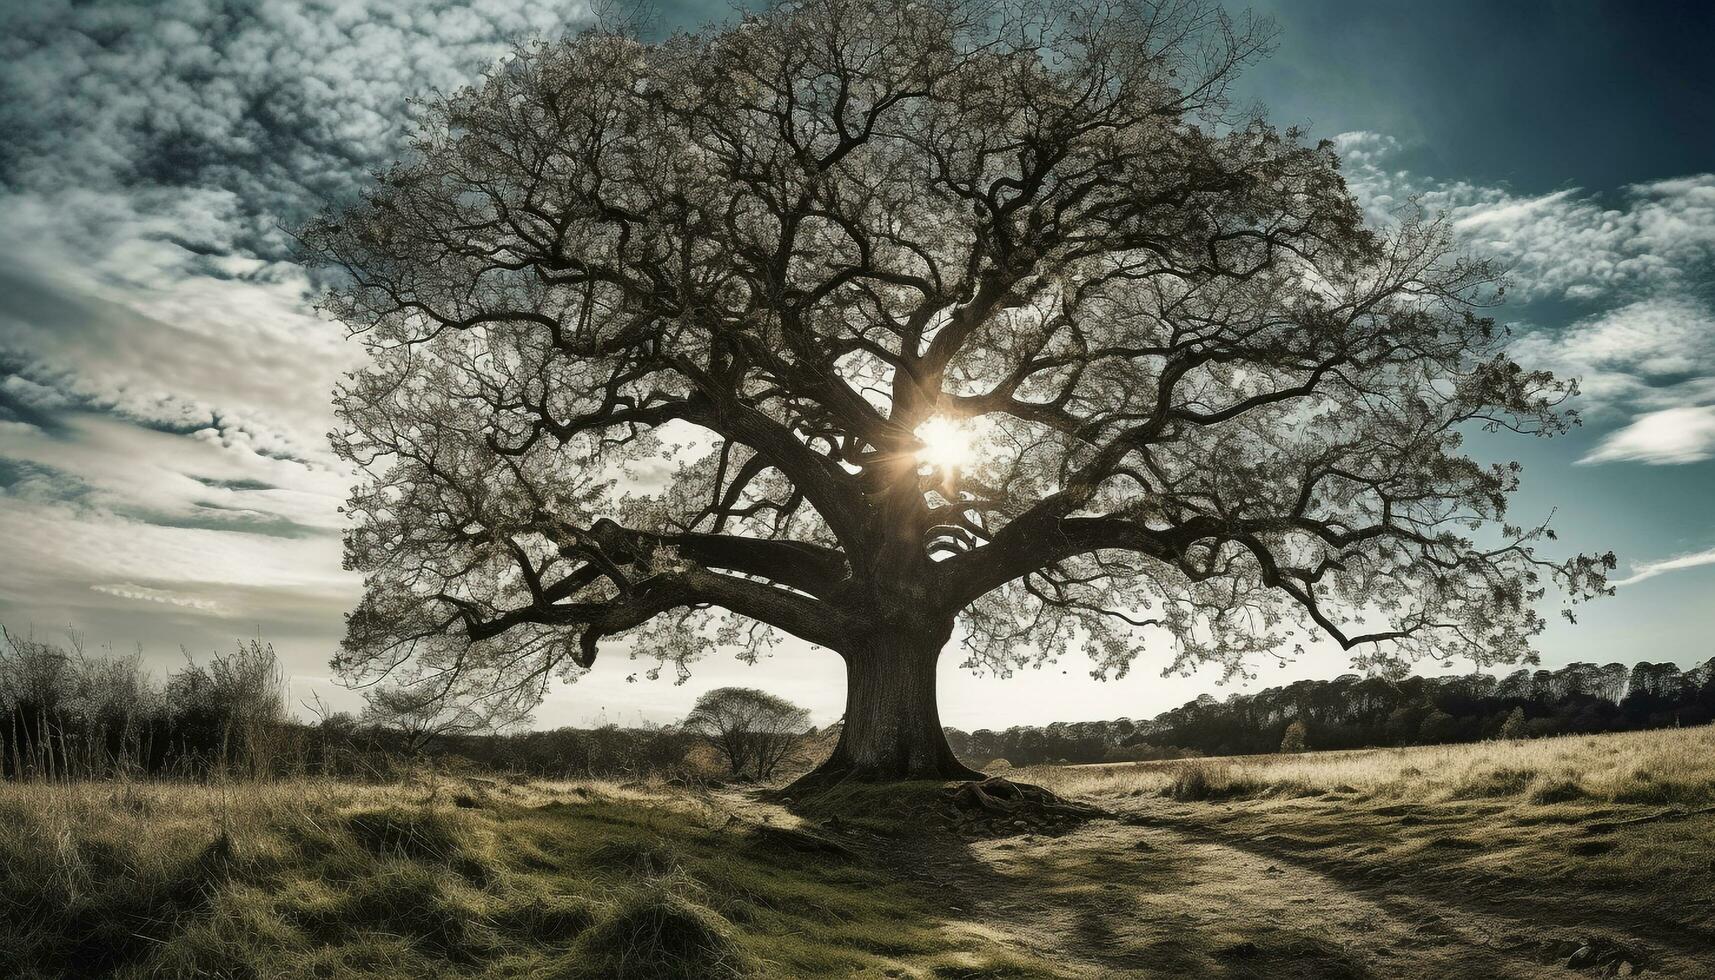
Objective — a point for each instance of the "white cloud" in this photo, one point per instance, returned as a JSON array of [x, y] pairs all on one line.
[[1651, 354], [135, 331], [1657, 235], [1672, 435], [143, 593], [1650, 569], [163, 478], [275, 100], [32, 394], [164, 385], [155, 152], [1648, 256]]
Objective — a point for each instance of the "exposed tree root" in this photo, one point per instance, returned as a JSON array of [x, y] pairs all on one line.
[[828, 775], [988, 807], [1000, 807]]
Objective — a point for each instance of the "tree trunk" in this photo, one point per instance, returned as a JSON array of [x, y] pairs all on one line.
[[892, 726]]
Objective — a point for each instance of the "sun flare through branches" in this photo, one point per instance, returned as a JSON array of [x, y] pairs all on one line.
[[948, 445]]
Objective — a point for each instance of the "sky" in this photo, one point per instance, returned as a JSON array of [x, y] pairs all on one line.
[[165, 479]]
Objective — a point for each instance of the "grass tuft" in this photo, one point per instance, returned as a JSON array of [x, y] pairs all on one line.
[[656, 934], [642, 858], [1547, 790], [418, 835], [547, 919], [1197, 782], [1496, 782]]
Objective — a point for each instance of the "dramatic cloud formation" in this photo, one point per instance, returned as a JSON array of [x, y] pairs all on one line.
[[1652, 360], [155, 153], [163, 383], [1646, 263], [1658, 236]]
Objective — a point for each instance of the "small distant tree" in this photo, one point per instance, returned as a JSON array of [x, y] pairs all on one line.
[[1514, 726], [748, 728], [1295, 738]]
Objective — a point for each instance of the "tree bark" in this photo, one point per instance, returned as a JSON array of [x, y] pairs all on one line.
[[892, 727]]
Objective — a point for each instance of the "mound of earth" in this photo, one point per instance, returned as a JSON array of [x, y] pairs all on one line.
[[658, 935], [992, 807]]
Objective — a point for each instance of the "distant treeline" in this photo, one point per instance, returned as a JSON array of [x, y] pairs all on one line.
[[1352, 712], [67, 713]]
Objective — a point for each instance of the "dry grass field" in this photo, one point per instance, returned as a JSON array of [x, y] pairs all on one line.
[[1671, 766], [1491, 859], [462, 878], [1570, 857]]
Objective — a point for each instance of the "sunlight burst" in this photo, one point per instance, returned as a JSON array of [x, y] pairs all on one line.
[[947, 445]]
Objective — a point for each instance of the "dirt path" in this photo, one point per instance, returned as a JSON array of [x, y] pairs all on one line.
[[1120, 899]]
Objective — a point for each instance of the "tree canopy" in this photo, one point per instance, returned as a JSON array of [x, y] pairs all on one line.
[[881, 323]]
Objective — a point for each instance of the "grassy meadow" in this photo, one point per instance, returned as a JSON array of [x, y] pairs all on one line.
[[1664, 766], [463, 878], [1594, 850], [1565, 857]]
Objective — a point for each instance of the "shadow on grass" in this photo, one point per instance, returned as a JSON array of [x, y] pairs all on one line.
[[1077, 896]]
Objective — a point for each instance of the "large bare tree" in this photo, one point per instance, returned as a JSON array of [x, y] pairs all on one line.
[[893, 323]]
